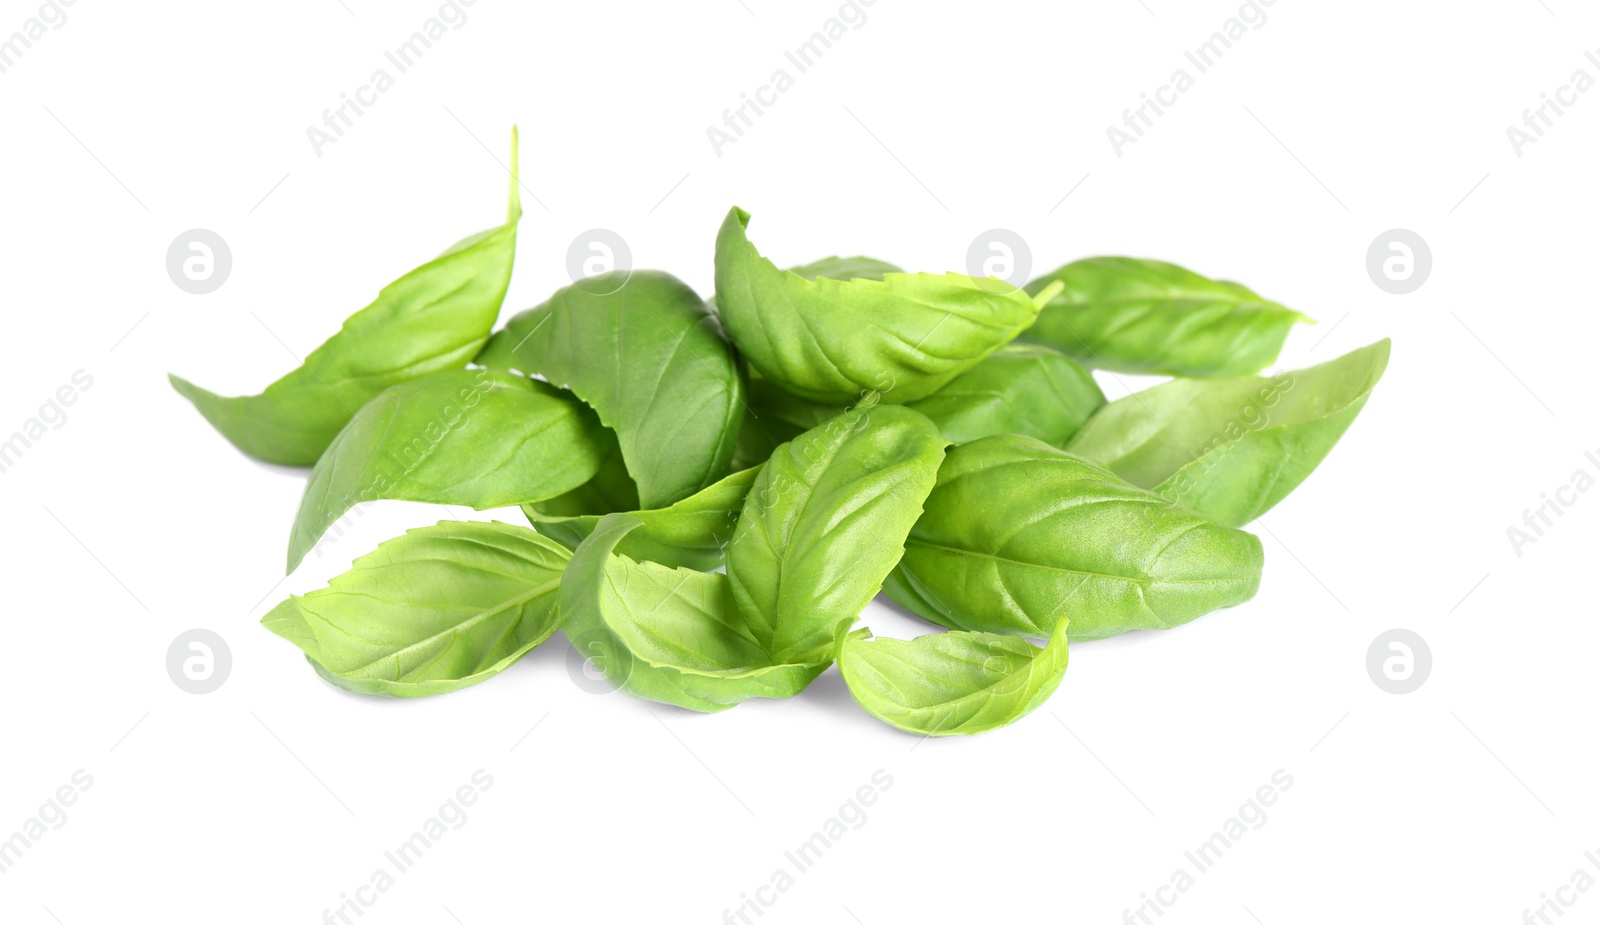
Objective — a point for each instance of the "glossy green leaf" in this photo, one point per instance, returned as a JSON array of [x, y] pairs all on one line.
[[646, 352], [1017, 534], [773, 417], [823, 524], [831, 340], [1145, 316], [1019, 389], [467, 436], [689, 534], [436, 317], [665, 634], [433, 611], [1230, 449], [952, 683]]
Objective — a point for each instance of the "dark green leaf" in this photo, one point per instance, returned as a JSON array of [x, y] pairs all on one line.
[[647, 354]]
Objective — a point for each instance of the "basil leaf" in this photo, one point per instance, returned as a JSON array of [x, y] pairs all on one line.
[[1230, 449], [433, 611], [689, 534], [1017, 534], [1145, 316], [823, 524], [955, 682], [664, 634], [1019, 389], [610, 490], [472, 437], [773, 417], [830, 340], [436, 317], [648, 355], [846, 268]]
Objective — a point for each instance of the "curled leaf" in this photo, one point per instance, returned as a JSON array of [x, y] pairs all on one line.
[[952, 683]]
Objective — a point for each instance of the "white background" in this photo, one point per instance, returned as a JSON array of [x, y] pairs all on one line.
[[269, 799]]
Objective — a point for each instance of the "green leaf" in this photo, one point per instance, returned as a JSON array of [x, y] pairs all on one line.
[[689, 534], [1145, 316], [436, 317], [823, 525], [846, 268], [955, 682], [433, 611], [833, 340], [1230, 449], [1017, 533], [473, 437], [773, 417], [1020, 389], [610, 490], [646, 352], [664, 634]]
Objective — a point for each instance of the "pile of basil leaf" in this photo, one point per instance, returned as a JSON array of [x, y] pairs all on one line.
[[716, 488]]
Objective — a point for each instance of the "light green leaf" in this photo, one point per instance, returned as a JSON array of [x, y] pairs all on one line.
[[646, 352], [1145, 316], [664, 634], [1018, 533], [473, 437], [433, 611], [833, 340], [689, 534], [823, 526], [955, 682], [1019, 389], [436, 317], [846, 268], [1230, 449]]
